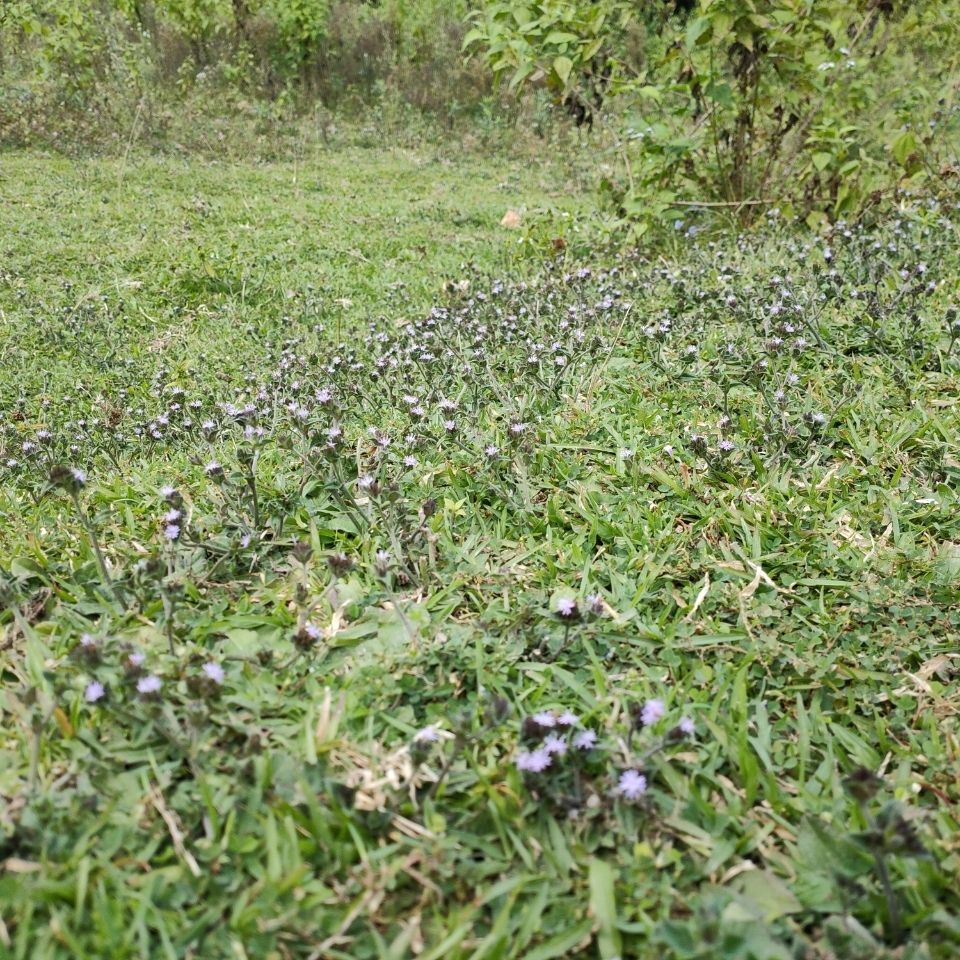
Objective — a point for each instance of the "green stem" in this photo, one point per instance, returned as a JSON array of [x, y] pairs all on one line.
[[114, 587], [895, 928]]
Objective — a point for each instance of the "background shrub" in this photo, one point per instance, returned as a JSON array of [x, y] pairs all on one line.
[[79, 65], [745, 104]]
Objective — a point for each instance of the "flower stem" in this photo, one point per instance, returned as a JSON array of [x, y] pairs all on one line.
[[108, 581]]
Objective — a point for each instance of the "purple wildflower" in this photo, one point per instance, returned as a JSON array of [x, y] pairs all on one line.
[[533, 761], [652, 711], [149, 685], [632, 784], [427, 735], [596, 605], [554, 743], [213, 671], [546, 718], [567, 608], [585, 740], [94, 691]]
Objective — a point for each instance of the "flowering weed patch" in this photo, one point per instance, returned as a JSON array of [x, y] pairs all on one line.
[[608, 610]]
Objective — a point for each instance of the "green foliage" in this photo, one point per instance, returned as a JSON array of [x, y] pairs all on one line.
[[790, 103], [301, 26], [125, 56], [552, 41], [197, 19]]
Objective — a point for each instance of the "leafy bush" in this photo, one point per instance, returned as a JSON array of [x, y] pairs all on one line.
[[113, 60], [745, 104]]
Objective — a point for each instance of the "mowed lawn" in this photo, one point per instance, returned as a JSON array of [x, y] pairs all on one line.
[[374, 588]]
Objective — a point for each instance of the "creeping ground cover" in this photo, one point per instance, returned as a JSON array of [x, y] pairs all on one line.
[[370, 593]]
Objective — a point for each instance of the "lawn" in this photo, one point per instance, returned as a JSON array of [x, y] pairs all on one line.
[[374, 589]]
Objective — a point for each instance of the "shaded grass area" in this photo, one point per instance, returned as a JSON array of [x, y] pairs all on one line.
[[580, 492]]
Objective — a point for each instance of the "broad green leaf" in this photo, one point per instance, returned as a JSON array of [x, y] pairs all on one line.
[[562, 67], [769, 894], [698, 28], [473, 36], [822, 160], [904, 146], [556, 37], [520, 74]]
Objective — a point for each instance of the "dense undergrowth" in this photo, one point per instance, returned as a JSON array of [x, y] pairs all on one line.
[[237, 77], [606, 611], [822, 109]]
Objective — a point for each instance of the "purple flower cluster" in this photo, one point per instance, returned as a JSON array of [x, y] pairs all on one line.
[[135, 677], [550, 736], [556, 731]]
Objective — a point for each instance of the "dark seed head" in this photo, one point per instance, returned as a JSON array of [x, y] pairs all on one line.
[[531, 729], [302, 551], [862, 784], [339, 563]]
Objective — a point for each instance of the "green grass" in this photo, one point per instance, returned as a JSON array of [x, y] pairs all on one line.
[[196, 251], [794, 597]]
